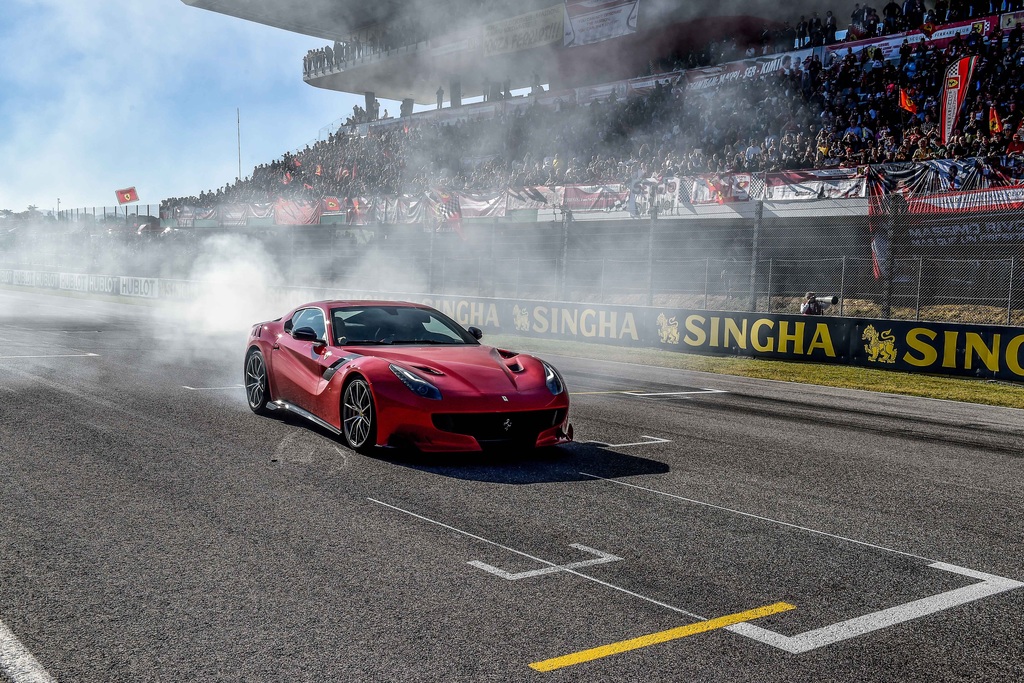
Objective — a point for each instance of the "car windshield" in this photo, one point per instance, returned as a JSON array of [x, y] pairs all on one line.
[[364, 325]]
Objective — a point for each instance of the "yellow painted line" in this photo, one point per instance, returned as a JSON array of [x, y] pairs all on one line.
[[660, 637]]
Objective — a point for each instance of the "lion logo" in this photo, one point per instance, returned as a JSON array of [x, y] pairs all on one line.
[[881, 347], [668, 329], [521, 318]]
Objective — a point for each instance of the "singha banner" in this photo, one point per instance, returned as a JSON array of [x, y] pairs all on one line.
[[990, 351]]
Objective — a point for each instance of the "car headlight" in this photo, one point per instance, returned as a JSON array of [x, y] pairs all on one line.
[[416, 384], [552, 379]]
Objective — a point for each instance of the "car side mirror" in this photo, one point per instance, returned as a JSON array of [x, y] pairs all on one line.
[[306, 334], [476, 332]]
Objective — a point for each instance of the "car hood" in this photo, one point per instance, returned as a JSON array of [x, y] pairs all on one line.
[[473, 368]]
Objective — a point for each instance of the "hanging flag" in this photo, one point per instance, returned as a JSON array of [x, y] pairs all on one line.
[[127, 195], [927, 29], [448, 211], [906, 102], [287, 178], [995, 124], [954, 91], [331, 204]]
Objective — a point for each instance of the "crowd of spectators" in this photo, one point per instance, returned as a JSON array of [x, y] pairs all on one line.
[[814, 115]]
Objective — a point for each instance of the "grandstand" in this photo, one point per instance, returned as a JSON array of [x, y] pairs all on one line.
[[658, 146]]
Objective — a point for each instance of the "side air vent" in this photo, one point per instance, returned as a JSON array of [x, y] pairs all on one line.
[[507, 354]]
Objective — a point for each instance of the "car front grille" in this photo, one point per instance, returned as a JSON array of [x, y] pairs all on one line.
[[500, 427]]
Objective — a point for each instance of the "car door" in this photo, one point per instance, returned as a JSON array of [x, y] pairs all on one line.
[[297, 363]]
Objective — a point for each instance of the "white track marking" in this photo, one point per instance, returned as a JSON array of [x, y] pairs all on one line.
[[650, 440], [17, 662], [843, 630], [851, 628], [602, 558], [60, 355], [537, 559], [232, 386], [674, 393], [760, 517]]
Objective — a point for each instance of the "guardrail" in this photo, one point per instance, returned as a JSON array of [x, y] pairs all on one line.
[[989, 351]]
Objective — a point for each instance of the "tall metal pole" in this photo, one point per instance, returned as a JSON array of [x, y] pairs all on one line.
[[650, 253], [1009, 297], [238, 129], [755, 248]]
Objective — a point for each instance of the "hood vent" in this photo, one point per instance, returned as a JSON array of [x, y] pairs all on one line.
[[429, 371]]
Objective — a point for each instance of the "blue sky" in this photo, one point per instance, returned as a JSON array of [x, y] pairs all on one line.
[[98, 95]]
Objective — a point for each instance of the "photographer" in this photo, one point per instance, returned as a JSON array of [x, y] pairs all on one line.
[[811, 305]]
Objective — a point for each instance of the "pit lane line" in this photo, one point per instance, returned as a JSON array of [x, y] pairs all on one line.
[[58, 355], [17, 662]]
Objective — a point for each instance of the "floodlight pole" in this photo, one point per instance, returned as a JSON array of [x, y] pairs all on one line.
[[238, 129]]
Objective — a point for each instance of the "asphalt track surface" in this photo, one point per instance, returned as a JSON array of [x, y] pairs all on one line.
[[153, 532]]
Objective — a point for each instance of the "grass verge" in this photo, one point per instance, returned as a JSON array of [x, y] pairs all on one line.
[[967, 390]]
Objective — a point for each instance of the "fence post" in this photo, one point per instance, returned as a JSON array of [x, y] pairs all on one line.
[[755, 248], [564, 265], [917, 305], [707, 271], [842, 289], [1009, 296], [650, 254], [430, 261], [770, 265], [604, 269], [518, 274]]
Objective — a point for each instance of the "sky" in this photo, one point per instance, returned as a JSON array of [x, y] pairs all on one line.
[[100, 95]]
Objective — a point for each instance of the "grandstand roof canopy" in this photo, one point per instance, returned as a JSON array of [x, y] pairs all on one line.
[[417, 71]]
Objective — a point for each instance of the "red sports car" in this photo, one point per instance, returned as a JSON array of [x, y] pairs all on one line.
[[399, 374]]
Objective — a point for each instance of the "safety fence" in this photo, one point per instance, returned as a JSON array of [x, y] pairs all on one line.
[[881, 261], [942, 348]]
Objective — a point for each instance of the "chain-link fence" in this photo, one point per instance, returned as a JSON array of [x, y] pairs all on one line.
[[879, 261]]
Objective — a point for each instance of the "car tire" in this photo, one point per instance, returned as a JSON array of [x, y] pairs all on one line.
[[358, 416], [257, 383]]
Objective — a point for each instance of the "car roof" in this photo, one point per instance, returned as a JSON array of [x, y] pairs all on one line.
[[340, 303]]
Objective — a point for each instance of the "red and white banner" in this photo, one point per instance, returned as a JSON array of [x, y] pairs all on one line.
[[482, 204], [540, 197], [954, 90], [591, 21], [296, 213], [595, 197], [827, 184], [890, 45], [1002, 199]]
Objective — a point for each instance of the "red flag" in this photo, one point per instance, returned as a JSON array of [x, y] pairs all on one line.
[[995, 124], [906, 102], [319, 170], [287, 178], [927, 29], [127, 195], [307, 186], [332, 204], [954, 91]]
